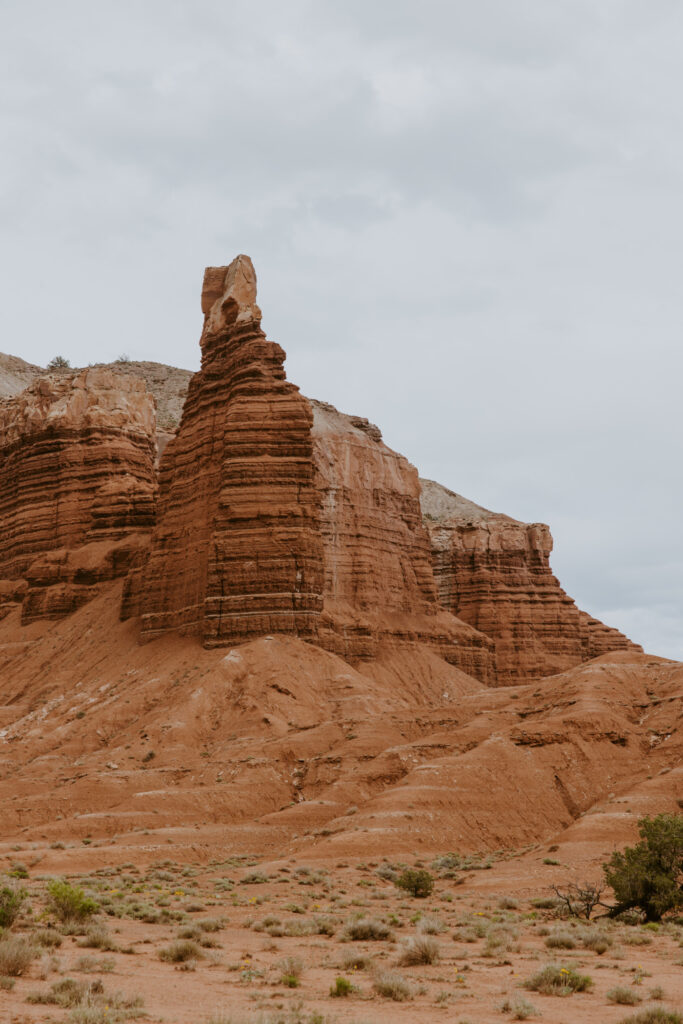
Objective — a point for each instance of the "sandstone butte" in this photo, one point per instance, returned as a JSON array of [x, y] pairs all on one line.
[[293, 624]]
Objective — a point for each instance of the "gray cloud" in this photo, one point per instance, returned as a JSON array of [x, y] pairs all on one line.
[[466, 219]]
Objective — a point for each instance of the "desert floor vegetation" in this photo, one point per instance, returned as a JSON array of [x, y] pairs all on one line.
[[243, 941]]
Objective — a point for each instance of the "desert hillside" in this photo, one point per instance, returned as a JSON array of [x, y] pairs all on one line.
[[237, 628]]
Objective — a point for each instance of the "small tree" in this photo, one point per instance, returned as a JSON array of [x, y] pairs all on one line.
[[415, 881], [58, 364], [649, 875]]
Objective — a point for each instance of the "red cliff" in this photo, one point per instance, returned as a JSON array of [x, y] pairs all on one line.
[[76, 486], [494, 573]]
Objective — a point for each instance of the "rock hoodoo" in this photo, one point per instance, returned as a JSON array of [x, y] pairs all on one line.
[[77, 487], [237, 551], [494, 573]]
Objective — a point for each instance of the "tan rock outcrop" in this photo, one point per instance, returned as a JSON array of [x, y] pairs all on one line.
[[76, 472], [494, 572], [237, 551]]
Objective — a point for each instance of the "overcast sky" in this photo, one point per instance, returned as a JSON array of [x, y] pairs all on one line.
[[466, 217]]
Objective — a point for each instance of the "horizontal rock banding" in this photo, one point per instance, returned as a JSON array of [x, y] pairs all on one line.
[[494, 573], [76, 468], [237, 552]]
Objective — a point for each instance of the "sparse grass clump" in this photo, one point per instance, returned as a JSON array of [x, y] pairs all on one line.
[[558, 981], [180, 952], [97, 937], [356, 961], [624, 996], [392, 985], [560, 940], [430, 926], [519, 1009], [366, 929], [68, 902], [419, 949], [654, 1015], [16, 955]]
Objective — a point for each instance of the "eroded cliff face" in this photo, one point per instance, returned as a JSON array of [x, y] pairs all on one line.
[[237, 551], [379, 582], [494, 573], [77, 488]]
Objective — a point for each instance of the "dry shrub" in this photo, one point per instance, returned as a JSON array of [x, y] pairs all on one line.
[[419, 949], [560, 940], [16, 955], [392, 985], [366, 929], [623, 996], [180, 952]]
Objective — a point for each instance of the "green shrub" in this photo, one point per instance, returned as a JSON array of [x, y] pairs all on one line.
[[519, 1008], [69, 902], [342, 987], [649, 875], [558, 981], [11, 902], [416, 881]]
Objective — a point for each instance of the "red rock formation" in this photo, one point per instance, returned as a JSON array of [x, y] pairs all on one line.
[[494, 573], [237, 551], [76, 474], [379, 583]]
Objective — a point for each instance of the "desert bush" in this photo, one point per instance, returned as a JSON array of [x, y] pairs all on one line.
[[416, 881], [48, 938], [291, 969], [519, 1008], [354, 960], [68, 902], [507, 903], [16, 955], [392, 985], [624, 996], [430, 926], [545, 903], [180, 952], [11, 902], [597, 941], [342, 987], [636, 939], [419, 949], [649, 875], [65, 993], [560, 940], [366, 929], [558, 981], [500, 939], [654, 1015], [97, 937]]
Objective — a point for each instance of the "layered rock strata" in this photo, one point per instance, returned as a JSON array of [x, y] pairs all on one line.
[[237, 552], [494, 573], [379, 583], [77, 487]]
